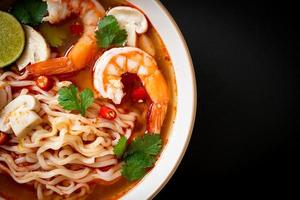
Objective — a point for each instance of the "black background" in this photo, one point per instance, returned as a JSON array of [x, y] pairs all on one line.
[[246, 59]]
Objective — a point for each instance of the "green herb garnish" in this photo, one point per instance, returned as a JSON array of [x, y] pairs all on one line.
[[29, 12], [136, 165], [54, 35], [70, 99], [109, 33], [120, 148], [140, 155]]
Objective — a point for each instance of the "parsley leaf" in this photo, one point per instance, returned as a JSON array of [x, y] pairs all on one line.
[[109, 33], [140, 156], [70, 100], [30, 12], [54, 35], [120, 148]]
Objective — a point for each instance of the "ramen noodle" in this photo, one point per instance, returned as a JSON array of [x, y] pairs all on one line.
[[85, 109]]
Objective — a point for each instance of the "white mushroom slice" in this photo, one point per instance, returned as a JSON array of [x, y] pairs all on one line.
[[36, 49], [132, 20], [131, 35], [22, 121], [21, 103]]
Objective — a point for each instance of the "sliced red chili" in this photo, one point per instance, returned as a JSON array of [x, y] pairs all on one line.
[[3, 138], [139, 94], [107, 113], [76, 29], [44, 83]]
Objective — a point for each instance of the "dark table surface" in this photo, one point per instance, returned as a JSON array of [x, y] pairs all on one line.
[[246, 59]]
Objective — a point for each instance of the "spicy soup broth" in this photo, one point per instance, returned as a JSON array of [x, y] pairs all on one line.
[[83, 79]]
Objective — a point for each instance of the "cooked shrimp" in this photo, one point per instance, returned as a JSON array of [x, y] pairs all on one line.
[[112, 64], [89, 11]]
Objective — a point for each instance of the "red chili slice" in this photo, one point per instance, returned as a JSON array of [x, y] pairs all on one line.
[[3, 138], [44, 83], [76, 29], [139, 94], [107, 113]]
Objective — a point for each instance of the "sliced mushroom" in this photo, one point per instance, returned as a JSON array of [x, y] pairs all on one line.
[[22, 121], [132, 20], [19, 116], [36, 49]]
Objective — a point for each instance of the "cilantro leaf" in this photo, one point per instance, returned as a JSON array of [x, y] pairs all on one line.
[[109, 33], [140, 156], [30, 12], [120, 38], [120, 148], [87, 99], [70, 100], [150, 143], [54, 35], [135, 167]]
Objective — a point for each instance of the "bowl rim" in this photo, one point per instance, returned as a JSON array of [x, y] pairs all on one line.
[[191, 127], [193, 102], [182, 40]]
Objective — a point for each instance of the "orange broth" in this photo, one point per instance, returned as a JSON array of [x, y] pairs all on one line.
[[83, 79]]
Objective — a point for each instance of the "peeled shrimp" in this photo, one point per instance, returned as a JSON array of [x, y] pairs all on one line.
[[113, 63], [89, 11]]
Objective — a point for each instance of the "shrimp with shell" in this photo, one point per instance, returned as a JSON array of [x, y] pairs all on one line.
[[90, 12], [113, 63], [110, 66]]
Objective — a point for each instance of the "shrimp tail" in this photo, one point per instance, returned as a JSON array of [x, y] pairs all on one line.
[[109, 68], [53, 66], [80, 56], [155, 117], [84, 51]]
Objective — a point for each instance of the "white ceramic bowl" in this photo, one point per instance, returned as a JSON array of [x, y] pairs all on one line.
[[181, 131]]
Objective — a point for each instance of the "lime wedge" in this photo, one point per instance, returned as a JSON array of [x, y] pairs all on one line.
[[12, 39]]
